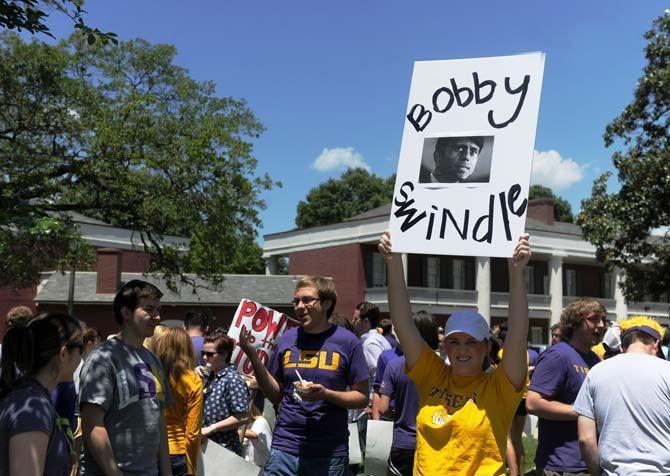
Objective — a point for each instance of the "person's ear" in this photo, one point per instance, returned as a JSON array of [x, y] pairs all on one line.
[[126, 313]]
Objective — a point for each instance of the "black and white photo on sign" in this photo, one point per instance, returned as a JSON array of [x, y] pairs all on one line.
[[456, 159], [466, 156]]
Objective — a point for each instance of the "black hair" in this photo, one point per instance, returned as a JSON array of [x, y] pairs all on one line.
[[443, 142], [129, 296], [427, 327], [196, 319], [26, 349], [370, 312], [386, 326]]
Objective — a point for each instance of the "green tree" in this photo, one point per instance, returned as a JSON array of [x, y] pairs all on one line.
[[30, 15], [123, 135], [356, 191], [619, 223], [562, 209]]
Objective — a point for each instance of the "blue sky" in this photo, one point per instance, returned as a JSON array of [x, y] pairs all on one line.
[[331, 79]]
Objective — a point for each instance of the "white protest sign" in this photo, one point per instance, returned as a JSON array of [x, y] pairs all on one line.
[[265, 325], [466, 156], [354, 445], [378, 442], [216, 460]]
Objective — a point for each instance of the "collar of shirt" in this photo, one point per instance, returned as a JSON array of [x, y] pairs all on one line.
[[224, 371]]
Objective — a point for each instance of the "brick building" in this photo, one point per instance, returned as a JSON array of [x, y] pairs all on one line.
[[563, 268]]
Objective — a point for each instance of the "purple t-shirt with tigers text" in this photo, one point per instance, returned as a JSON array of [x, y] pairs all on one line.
[[559, 374], [334, 359]]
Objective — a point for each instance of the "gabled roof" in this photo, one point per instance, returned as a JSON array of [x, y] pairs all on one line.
[[269, 290]]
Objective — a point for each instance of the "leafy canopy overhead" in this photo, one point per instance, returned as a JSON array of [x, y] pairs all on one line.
[[619, 223], [335, 200], [30, 15], [123, 135], [562, 209]]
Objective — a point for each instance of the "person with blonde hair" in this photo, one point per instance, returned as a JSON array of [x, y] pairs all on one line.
[[464, 413], [624, 423], [183, 418]]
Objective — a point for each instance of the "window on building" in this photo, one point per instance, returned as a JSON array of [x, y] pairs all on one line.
[[608, 285], [545, 284], [378, 270], [433, 272], [570, 282], [458, 273], [529, 279], [536, 335]]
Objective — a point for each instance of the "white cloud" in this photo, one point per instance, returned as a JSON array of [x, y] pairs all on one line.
[[554, 171], [339, 158]]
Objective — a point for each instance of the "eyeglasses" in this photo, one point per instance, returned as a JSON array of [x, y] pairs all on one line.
[[209, 355], [597, 319], [306, 300]]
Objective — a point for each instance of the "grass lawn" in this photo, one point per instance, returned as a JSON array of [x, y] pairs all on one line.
[[529, 447]]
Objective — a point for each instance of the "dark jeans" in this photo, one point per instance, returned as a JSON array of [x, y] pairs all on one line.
[[178, 463], [281, 463]]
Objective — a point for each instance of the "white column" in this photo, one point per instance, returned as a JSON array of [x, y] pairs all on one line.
[[483, 286], [404, 266], [556, 287], [271, 265], [620, 305]]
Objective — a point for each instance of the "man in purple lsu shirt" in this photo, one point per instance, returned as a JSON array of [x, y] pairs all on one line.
[[311, 433], [559, 374]]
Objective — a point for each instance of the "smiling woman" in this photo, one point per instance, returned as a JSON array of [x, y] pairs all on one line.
[[464, 413]]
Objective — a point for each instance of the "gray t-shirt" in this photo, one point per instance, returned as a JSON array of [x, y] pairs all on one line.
[[130, 385], [629, 398]]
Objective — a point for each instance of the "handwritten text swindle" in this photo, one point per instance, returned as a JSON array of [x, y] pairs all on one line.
[[481, 92], [437, 222]]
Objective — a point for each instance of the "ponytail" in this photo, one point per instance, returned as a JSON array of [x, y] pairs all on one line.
[[27, 348], [17, 355]]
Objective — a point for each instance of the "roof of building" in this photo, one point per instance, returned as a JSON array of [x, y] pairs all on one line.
[[269, 290]]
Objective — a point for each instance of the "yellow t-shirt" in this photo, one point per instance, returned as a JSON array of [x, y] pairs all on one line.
[[462, 423], [183, 418]]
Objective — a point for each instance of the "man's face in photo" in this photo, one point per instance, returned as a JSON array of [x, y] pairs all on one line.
[[456, 160]]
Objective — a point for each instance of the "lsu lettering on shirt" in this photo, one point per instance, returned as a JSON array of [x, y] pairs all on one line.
[[462, 422], [334, 359]]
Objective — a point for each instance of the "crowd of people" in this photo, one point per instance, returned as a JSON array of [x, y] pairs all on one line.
[[145, 400]]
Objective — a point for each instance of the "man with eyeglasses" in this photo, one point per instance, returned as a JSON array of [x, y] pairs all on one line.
[[559, 374], [317, 372], [455, 159]]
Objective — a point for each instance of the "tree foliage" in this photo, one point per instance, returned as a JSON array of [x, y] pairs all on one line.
[[562, 209], [356, 191], [123, 135], [619, 223], [30, 15]]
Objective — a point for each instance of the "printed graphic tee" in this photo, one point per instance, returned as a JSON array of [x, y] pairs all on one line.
[[558, 375], [462, 422], [129, 384], [334, 359]]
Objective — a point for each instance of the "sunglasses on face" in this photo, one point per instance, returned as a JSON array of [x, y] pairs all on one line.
[[209, 355]]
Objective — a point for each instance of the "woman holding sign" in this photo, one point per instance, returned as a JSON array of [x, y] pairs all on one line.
[[464, 413]]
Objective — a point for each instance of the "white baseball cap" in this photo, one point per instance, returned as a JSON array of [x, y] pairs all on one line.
[[468, 322]]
